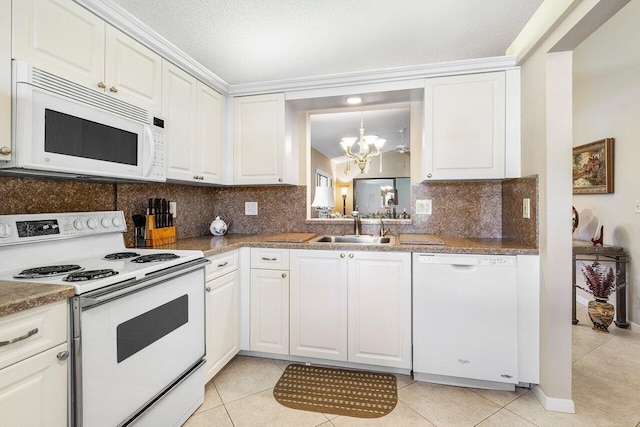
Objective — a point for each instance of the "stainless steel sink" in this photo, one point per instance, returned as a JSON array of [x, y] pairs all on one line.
[[353, 239]]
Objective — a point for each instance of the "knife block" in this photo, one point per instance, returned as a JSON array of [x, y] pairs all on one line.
[[158, 236]]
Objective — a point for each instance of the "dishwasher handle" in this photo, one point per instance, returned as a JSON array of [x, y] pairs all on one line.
[[468, 260]]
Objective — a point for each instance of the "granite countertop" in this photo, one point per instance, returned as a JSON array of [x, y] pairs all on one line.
[[215, 245], [18, 296]]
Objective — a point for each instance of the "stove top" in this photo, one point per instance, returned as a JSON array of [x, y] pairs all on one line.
[[87, 251]]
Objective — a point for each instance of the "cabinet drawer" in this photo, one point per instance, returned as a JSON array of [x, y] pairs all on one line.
[[222, 264], [32, 331], [270, 259]]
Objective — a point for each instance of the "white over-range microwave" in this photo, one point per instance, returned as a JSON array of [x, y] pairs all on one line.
[[60, 128]]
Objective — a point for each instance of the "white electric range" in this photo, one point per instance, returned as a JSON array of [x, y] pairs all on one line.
[[137, 320]]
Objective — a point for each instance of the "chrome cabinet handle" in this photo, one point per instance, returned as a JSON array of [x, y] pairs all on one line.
[[224, 264], [429, 175], [113, 89], [63, 355], [341, 255], [284, 275], [208, 289], [20, 338], [350, 255], [269, 259], [5, 150], [101, 85]]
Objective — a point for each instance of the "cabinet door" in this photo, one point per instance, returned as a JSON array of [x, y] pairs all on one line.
[[209, 135], [179, 110], [60, 37], [258, 139], [33, 392], [380, 308], [133, 72], [318, 304], [269, 311], [464, 126], [5, 78], [223, 322]]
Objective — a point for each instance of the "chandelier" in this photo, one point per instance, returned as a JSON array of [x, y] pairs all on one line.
[[366, 143]]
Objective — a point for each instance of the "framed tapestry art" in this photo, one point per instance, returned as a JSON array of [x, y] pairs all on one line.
[[593, 167]]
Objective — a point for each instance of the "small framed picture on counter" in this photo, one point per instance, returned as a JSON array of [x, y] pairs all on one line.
[[593, 167]]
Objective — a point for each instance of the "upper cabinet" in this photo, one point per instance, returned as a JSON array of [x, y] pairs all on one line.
[[65, 39], [193, 112], [259, 139], [471, 130]]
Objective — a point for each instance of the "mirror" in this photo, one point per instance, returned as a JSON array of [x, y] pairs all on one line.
[[381, 188]]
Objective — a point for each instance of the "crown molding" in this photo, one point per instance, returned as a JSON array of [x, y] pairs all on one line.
[[117, 16]]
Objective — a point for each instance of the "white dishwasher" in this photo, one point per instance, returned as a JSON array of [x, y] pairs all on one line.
[[465, 320]]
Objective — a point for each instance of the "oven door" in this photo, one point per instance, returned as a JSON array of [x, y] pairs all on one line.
[[134, 342]]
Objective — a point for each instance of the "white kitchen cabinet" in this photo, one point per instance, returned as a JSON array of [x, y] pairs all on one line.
[[380, 308], [351, 306], [63, 38], [34, 371], [269, 307], [318, 304], [5, 78], [193, 113], [259, 139], [465, 127], [222, 311]]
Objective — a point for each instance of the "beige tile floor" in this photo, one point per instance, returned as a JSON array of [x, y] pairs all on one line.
[[242, 394]]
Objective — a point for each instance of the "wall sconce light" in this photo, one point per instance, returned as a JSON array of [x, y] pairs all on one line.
[[323, 201]]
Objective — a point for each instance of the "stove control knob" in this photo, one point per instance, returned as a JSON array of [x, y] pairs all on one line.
[[5, 230], [92, 223], [106, 223], [78, 224], [116, 222]]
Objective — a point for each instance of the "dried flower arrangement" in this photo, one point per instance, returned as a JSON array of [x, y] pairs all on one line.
[[600, 282]]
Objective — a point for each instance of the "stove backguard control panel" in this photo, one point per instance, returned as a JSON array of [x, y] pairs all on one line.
[[15, 229]]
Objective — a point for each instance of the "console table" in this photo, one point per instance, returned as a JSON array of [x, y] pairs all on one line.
[[585, 251]]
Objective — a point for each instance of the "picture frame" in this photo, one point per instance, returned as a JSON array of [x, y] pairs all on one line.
[[593, 167]]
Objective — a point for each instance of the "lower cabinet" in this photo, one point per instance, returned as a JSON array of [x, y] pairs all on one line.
[[351, 306], [34, 367], [269, 311], [222, 312]]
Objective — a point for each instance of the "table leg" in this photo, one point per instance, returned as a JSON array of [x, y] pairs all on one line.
[[574, 319], [621, 295]]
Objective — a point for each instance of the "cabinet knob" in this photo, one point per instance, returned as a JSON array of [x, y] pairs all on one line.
[[341, 255], [101, 85], [5, 150], [429, 175], [113, 89], [279, 179], [284, 275], [350, 255], [63, 355], [208, 289]]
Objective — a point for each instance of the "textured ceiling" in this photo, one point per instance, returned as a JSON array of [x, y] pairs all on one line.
[[250, 41]]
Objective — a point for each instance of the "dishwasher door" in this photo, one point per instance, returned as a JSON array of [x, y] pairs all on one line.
[[465, 319]]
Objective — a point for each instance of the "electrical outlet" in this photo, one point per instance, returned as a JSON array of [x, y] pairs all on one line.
[[638, 206], [251, 208], [423, 207], [526, 208]]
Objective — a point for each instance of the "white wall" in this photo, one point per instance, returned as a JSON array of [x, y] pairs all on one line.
[[606, 104]]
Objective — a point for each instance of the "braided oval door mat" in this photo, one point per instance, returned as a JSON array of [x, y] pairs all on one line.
[[337, 391]]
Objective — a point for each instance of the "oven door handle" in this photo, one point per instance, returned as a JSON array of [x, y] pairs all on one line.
[[102, 296]]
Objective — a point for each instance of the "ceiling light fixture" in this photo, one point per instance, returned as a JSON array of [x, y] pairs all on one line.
[[366, 142], [354, 100]]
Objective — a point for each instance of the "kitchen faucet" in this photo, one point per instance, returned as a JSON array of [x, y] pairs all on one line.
[[383, 232], [356, 222]]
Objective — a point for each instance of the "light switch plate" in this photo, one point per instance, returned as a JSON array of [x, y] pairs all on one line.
[[423, 207], [526, 208], [251, 208]]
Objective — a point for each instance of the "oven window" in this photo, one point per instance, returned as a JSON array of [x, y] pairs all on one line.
[[73, 136], [141, 331]]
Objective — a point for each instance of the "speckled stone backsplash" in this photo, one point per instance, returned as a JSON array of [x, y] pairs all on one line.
[[460, 209]]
